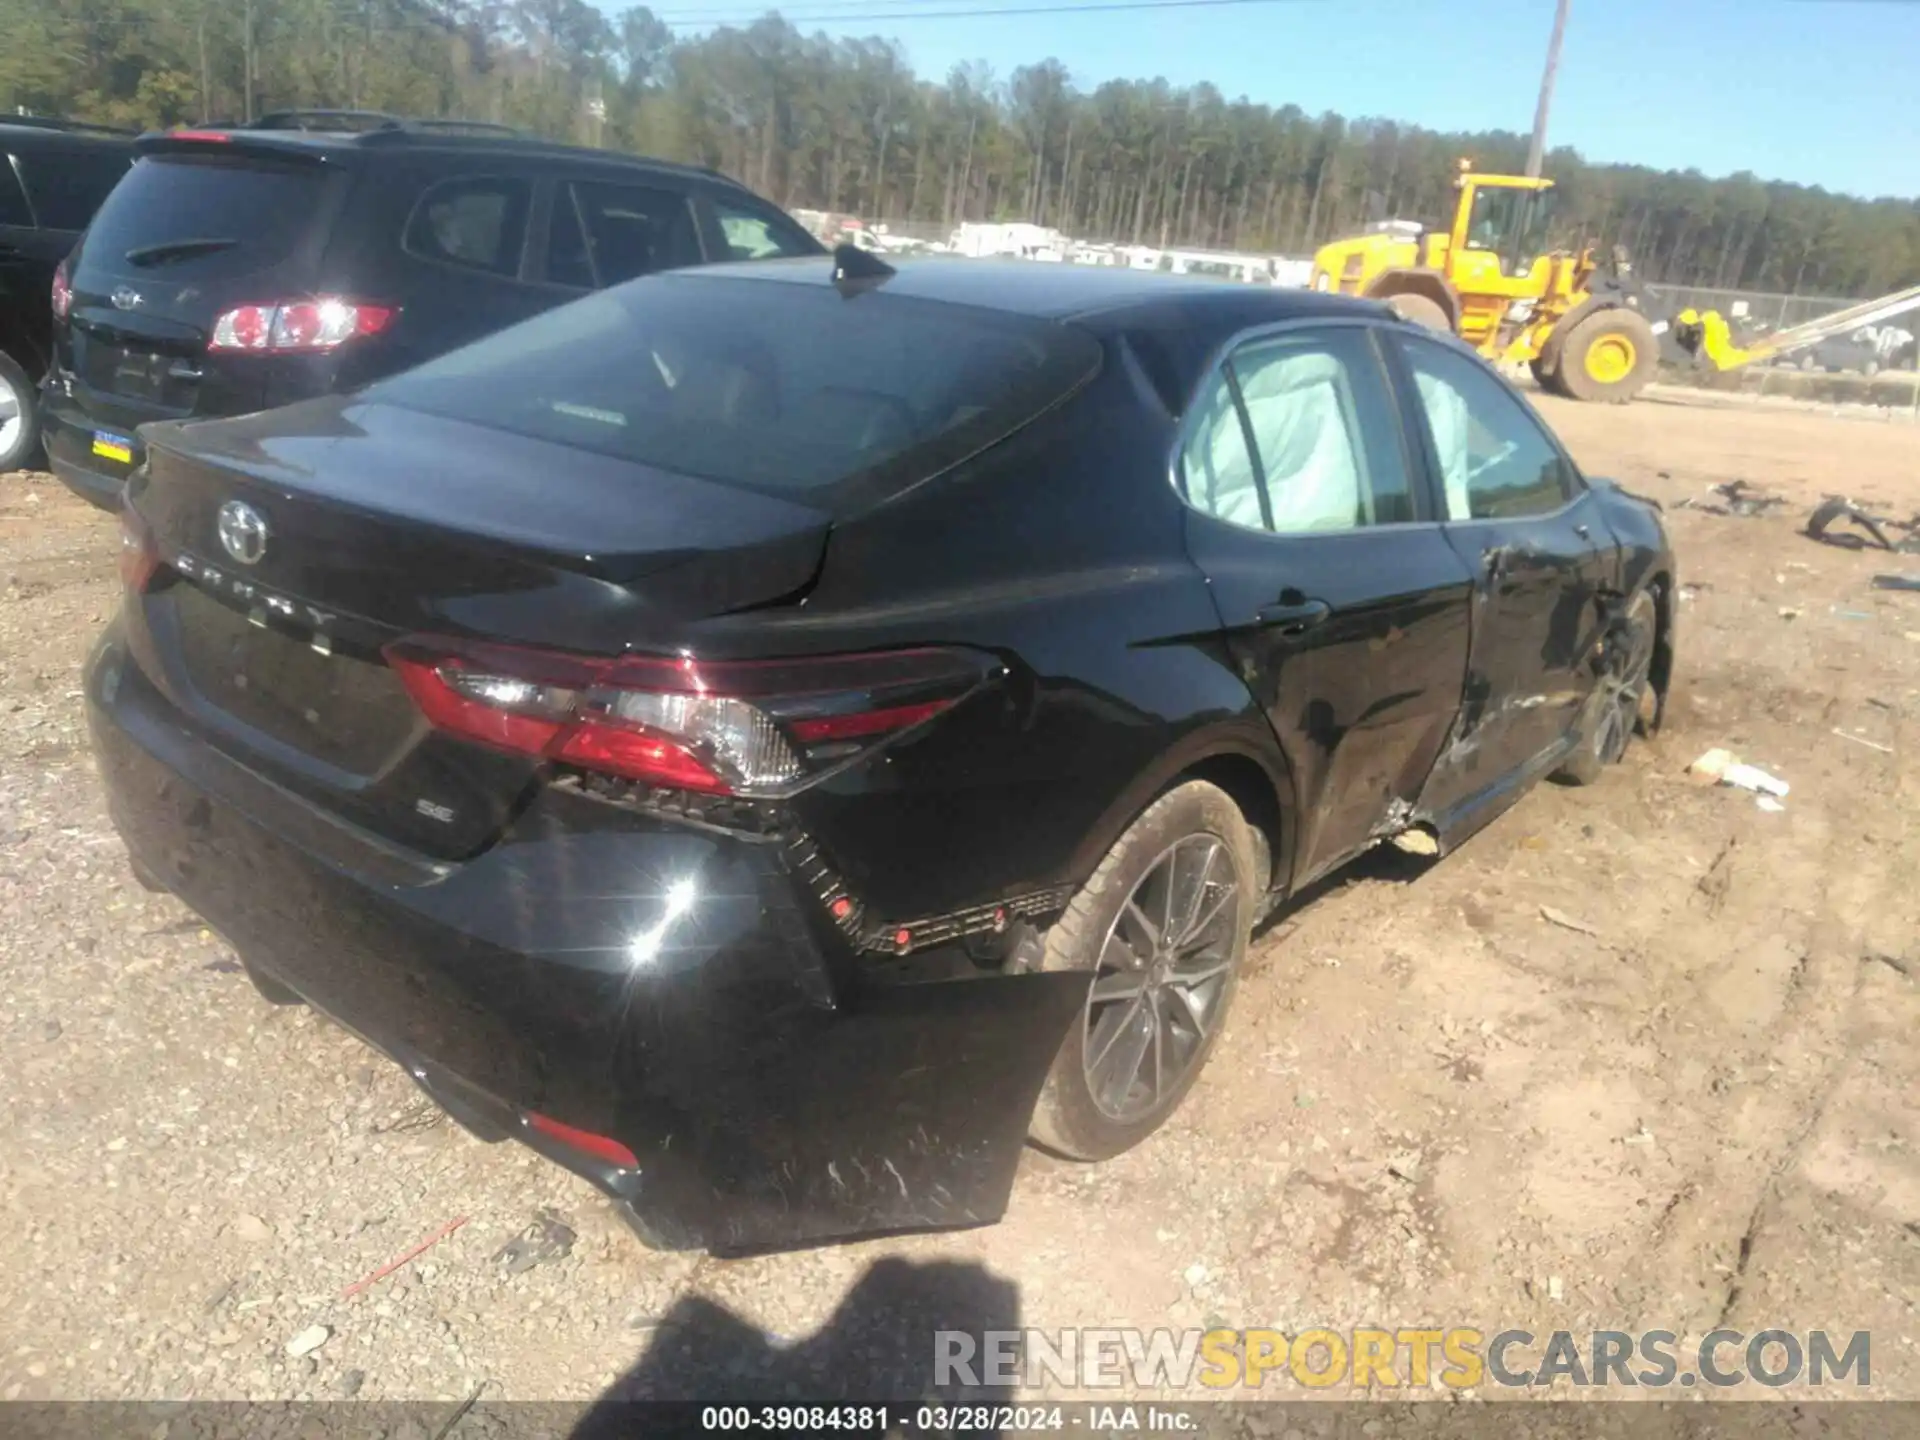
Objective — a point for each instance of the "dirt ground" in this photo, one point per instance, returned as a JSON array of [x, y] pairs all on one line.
[[1433, 1106]]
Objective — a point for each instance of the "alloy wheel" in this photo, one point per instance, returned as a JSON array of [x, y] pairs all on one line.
[[1624, 686], [13, 416], [1164, 969]]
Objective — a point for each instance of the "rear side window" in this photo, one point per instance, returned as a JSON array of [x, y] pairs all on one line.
[[13, 200], [478, 224], [632, 230], [1299, 435], [773, 386], [67, 188], [203, 218], [753, 236]]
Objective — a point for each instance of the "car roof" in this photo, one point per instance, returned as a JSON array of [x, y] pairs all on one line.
[[1058, 291], [400, 140], [20, 137]]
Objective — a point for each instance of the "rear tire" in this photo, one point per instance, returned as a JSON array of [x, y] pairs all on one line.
[[19, 417], [1610, 356], [1160, 931], [1421, 310]]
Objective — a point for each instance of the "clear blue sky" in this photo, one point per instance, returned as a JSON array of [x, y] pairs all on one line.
[[1825, 92]]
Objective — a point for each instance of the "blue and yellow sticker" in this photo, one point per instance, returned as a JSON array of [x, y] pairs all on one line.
[[113, 447]]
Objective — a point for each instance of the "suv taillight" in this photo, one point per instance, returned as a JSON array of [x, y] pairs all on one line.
[[297, 327], [62, 292], [750, 728]]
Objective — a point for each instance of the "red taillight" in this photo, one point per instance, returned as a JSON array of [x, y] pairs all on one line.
[[298, 327], [62, 292], [138, 557], [738, 728], [585, 1141], [216, 137]]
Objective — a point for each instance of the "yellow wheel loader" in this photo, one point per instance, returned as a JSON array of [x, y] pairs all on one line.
[[1490, 279]]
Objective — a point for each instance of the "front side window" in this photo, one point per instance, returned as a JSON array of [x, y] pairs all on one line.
[[477, 224], [751, 236], [1299, 435], [1495, 460]]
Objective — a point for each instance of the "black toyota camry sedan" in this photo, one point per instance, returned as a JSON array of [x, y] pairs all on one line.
[[773, 738]]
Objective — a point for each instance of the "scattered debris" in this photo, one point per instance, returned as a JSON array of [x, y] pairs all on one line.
[[1692, 589], [1897, 964], [1405, 1167], [547, 1238], [252, 1229], [1721, 767], [50, 1030], [1862, 740], [1789, 612], [1769, 804], [1556, 1288], [1741, 499], [1836, 507], [223, 967], [1567, 922], [1416, 842], [308, 1341], [1195, 1275], [348, 1385], [1719, 878], [415, 1253], [1896, 582], [1642, 1136], [460, 1412]]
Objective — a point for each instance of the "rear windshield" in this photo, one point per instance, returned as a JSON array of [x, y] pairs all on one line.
[[775, 386], [250, 214]]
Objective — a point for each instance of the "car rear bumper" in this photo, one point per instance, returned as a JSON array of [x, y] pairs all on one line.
[[772, 1088], [68, 441]]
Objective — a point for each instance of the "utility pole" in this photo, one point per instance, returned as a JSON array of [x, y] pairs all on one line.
[[247, 48], [1536, 152]]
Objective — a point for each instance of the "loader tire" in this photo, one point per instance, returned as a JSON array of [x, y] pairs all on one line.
[[1610, 356], [1546, 377], [1421, 310]]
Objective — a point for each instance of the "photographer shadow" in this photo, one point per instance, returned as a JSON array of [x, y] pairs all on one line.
[[879, 1346]]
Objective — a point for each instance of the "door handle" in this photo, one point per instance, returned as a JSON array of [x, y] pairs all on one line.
[[185, 370], [1294, 617]]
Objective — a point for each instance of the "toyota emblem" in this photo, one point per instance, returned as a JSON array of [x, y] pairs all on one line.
[[125, 297], [243, 532]]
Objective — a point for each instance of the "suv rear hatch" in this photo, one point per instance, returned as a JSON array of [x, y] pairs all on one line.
[[196, 229], [409, 603]]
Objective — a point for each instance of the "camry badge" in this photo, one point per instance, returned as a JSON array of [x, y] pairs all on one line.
[[243, 532]]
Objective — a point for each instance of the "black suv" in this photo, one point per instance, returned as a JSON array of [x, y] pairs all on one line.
[[241, 268], [53, 176]]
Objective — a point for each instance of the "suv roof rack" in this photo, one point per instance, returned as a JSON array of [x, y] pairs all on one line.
[[56, 122], [367, 121]]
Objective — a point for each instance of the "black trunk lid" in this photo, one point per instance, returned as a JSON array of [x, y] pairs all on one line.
[[381, 522]]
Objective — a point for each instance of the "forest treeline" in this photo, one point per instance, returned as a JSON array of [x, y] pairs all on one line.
[[846, 125]]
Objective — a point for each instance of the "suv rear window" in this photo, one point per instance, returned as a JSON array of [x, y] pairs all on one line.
[[775, 386], [262, 208]]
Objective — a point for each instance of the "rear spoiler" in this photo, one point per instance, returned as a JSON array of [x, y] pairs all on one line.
[[282, 146]]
